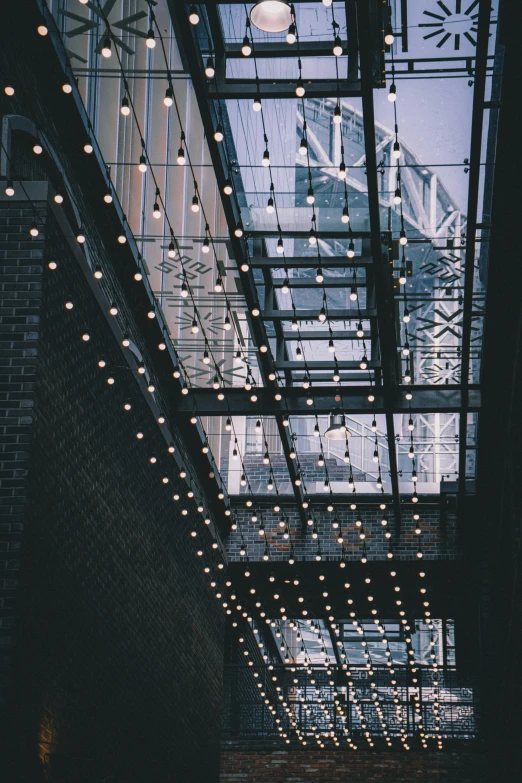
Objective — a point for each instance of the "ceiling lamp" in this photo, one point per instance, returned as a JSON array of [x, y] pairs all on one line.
[[271, 16], [337, 429]]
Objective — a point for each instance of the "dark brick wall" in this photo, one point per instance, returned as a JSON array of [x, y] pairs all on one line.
[[282, 766], [437, 541], [112, 646]]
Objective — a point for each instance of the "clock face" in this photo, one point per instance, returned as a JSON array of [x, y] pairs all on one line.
[[450, 22]]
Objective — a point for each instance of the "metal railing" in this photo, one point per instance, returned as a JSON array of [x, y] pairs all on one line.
[[321, 703]]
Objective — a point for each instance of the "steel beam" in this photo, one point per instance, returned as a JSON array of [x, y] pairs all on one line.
[[311, 262], [477, 122], [273, 49], [235, 89], [383, 281], [311, 315], [186, 38], [425, 399]]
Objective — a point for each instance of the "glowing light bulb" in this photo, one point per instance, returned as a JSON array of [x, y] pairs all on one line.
[[210, 71], [150, 41], [168, 100], [125, 108], [107, 48], [338, 46], [193, 15], [246, 49], [257, 104]]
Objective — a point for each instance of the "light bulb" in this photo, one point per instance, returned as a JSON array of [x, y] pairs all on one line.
[[9, 188], [280, 248], [303, 147], [194, 327], [156, 211], [227, 325], [312, 238], [150, 41], [168, 100], [42, 30], [37, 149], [108, 197], [34, 229], [295, 325], [397, 198], [193, 15], [113, 310], [80, 236], [389, 38], [319, 276], [337, 118], [142, 165], [363, 363], [300, 90], [266, 159], [353, 294], [392, 95], [88, 148], [107, 47], [257, 104], [125, 108], [9, 90], [122, 239], [205, 247], [342, 170], [218, 134], [406, 316], [270, 205], [310, 198], [67, 88], [195, 204], [338, 47], [402, 237], [210, 71], [218, 285], [396, 152], [180, 160], [227, 188], [246, 49], [345, 218], [402, 276], [238, 231], [359, 333], [171, 252], [351, 250], [406, 349], [331, 346], [290, 36]]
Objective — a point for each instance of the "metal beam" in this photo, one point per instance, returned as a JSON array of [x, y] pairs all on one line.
[[186, 38], [311, 315], [383, 282], [273, 49], [425, 399], [293, 337], [310, 262], [279, 88], [328, 364], [471, 226], [310, 282]]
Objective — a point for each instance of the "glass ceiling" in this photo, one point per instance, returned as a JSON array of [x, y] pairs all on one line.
[[432, 65]]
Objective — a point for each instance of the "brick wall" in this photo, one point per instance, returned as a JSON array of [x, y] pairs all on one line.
[[111, 643], [281, 766], [437, 541]]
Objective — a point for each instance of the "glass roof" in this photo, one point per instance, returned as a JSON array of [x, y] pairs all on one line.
[[432, 65]]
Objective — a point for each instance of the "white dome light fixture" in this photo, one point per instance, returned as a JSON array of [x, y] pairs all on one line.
[[271, 16], [337, 429]]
